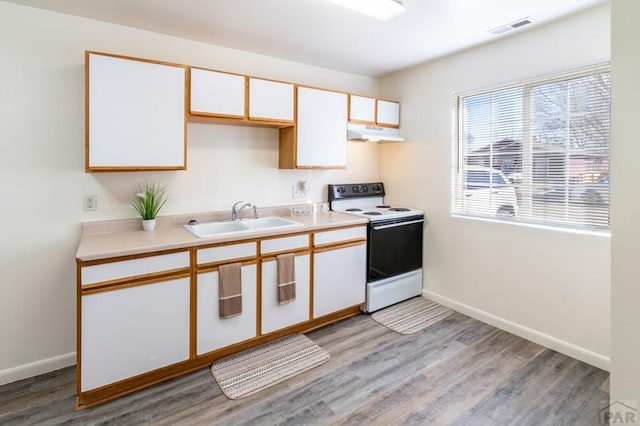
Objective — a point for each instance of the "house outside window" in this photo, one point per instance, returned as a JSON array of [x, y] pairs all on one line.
[[536, 151]]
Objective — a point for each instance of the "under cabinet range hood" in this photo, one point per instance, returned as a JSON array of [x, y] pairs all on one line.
[[362, 132]]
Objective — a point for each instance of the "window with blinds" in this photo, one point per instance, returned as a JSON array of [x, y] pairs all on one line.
[[536, 151]]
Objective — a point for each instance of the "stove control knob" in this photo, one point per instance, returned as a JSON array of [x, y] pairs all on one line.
[[365, 188], [355, 189]]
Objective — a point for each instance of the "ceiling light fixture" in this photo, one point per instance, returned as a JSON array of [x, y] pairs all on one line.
[[383, 10]]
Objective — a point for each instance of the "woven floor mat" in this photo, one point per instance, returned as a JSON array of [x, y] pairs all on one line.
[[255, 369], [412, 316]]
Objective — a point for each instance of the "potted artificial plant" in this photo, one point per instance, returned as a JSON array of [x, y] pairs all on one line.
[[150, 198]]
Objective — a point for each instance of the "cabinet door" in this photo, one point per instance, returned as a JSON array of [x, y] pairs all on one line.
[[274, 315], [135, 117], [130, 331], [270, 100], [214, 332], [339, 279], [321, 128], [388, 113], [217, 93], [362, 109]]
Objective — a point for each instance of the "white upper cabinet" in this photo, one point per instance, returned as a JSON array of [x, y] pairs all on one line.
[[135, 115], [362, 109], [270, 100], [321, 129], [374, 111], [217, 93], [388, 113]]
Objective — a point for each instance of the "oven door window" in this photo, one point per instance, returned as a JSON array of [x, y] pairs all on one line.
[[394, 248]]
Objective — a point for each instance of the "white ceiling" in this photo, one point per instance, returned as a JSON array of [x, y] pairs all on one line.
[[320, 33]]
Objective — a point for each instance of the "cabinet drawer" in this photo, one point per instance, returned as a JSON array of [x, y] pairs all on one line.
[[339, 235], [275, 245], [129, 268], [228, 252]]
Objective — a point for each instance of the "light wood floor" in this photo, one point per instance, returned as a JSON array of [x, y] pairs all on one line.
[[460, 371]]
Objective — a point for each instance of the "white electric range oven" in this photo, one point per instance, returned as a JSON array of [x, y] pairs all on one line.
[[394, 242]]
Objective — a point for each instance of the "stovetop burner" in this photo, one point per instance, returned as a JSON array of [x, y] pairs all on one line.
[[367, 200]]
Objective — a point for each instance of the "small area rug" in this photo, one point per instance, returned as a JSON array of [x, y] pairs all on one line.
[[255, 369], [412, 316]]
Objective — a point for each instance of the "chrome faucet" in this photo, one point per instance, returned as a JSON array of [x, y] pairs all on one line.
[[235, 210]]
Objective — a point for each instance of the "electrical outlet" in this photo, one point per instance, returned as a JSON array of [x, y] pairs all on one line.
[[296, 192], [90, 203]]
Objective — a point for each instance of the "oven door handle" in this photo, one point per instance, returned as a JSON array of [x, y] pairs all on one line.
[[393, 225]]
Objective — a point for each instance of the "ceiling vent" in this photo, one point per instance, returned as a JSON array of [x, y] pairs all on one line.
[[512, 26]]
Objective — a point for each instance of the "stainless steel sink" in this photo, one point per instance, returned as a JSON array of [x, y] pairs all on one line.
[[212, 229]]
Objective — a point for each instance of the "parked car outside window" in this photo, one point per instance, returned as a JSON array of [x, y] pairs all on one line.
[[592, 193], [488, 191]]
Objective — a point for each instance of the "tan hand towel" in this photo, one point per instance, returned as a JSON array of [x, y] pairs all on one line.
[[286, 278], [230, 290]]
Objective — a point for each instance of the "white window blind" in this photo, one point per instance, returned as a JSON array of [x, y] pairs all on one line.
[[536, 151]]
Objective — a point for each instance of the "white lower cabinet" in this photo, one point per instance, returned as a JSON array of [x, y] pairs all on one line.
[[141, 323], [274, 315], [339, 278], [133, 330], [212, 331]]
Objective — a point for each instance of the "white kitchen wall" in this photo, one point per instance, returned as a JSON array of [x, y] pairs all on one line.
[[42, 179], [550, 286], [625, 237]]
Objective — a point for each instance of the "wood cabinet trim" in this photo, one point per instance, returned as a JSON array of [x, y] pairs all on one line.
[[214, 266], [85, 263], [272, 257], [239, 121], [193, 306], [135, 281], [227, 243], [338, 245]]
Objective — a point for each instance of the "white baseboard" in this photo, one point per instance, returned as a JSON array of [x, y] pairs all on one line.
[[35, 368], [550, 342]]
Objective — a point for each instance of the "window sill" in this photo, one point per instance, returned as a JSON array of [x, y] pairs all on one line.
[[596, 233]]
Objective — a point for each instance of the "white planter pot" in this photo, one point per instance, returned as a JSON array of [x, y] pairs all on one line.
[[149, 225]]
